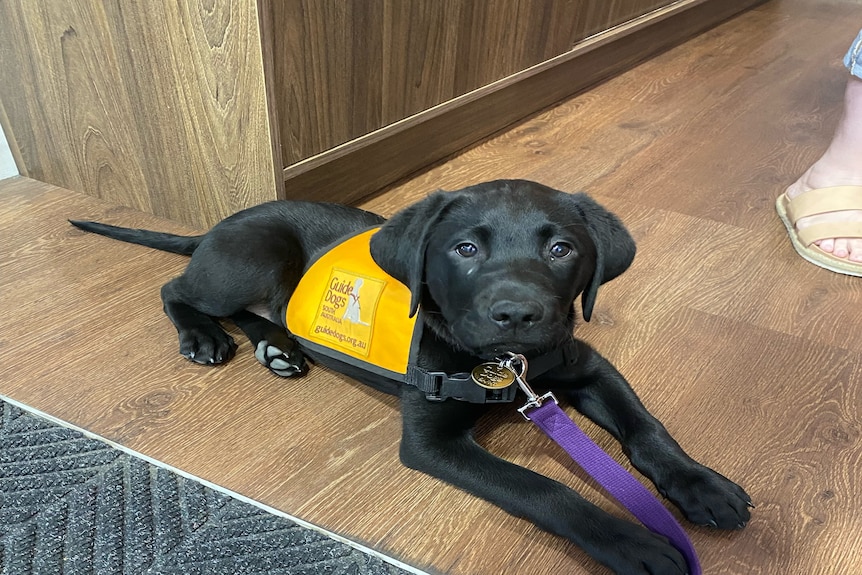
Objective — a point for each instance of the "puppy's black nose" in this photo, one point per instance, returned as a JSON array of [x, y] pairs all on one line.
[[509, 314]]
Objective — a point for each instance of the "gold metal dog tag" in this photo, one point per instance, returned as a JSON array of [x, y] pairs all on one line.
[[492, 376]]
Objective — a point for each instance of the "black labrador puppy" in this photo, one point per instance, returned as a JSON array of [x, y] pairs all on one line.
[[491, 269]]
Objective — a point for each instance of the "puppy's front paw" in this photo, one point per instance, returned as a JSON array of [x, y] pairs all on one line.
[[634, 550], [207, 346], [281, 362], [708, 498]]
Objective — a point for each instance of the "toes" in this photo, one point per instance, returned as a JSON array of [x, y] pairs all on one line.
[[207, 348], [709, 499], [841, 248], [718, 516], [278, 363], [260, 352], [635, 550], [850, 248], [281, 363]]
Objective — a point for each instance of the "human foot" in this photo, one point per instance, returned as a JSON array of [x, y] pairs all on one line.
[[849, 248], [841, 165]]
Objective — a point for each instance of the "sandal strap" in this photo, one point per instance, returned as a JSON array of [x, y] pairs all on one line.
[[824, 201], [810, 234]]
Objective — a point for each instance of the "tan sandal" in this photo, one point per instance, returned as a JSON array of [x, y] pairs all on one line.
[[822, 201]]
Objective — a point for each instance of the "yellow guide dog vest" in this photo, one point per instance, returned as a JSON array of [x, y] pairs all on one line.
[[345, 303], [347, 308]]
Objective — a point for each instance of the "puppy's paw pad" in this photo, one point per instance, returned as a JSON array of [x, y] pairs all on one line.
[[281, 363]]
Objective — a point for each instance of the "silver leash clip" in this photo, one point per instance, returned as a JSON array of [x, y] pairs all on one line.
[[517, 364]]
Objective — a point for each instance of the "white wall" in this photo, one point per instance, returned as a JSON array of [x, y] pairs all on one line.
[[7, 164]]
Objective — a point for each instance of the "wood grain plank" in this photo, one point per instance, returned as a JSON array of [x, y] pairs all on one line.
[[161, 107]]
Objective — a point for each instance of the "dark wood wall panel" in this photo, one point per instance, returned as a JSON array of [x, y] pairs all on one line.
[[159, 106], [369, 163], [327, 67], [420, 56], [344, 69]]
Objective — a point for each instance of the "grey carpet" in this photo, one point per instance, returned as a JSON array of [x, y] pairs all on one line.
[[74, 505]]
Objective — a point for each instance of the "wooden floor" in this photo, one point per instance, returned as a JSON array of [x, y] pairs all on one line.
[[751, 356]]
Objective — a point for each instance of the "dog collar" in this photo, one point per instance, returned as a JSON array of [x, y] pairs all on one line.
[[347, 308], [439, 386]]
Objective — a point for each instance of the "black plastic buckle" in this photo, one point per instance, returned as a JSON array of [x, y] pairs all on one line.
[[436, 379], [460, 386]]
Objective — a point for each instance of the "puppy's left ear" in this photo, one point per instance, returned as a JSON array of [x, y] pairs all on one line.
[[615, 247], [399, 246]]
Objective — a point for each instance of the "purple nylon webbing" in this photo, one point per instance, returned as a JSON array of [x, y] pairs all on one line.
[[630, 492]]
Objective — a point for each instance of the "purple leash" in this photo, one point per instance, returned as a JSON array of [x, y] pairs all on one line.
[[613, 477]]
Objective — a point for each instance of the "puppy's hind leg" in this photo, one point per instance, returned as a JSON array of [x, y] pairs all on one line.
[[202, 339], [274, 348]]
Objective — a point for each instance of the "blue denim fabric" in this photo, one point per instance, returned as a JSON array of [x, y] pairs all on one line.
[[853, 59]]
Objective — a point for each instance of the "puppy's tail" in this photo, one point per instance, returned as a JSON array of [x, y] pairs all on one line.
[[183, 245]]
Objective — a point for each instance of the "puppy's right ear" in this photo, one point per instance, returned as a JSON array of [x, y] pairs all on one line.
[[399, 246]]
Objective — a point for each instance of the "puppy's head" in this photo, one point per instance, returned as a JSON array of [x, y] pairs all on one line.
[[497, 266]]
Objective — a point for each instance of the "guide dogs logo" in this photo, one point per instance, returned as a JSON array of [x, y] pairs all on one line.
[[347, 309]]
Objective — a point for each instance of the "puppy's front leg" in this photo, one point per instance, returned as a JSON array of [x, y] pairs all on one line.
[[601, 393], [437, 440]]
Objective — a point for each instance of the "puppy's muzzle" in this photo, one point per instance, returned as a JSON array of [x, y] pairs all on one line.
[[511, 311]]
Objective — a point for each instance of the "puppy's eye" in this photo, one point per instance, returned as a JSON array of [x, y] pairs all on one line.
[[561, 250], [466, 250]]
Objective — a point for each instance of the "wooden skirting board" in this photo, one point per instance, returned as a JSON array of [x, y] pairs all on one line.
[[384, 156]]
